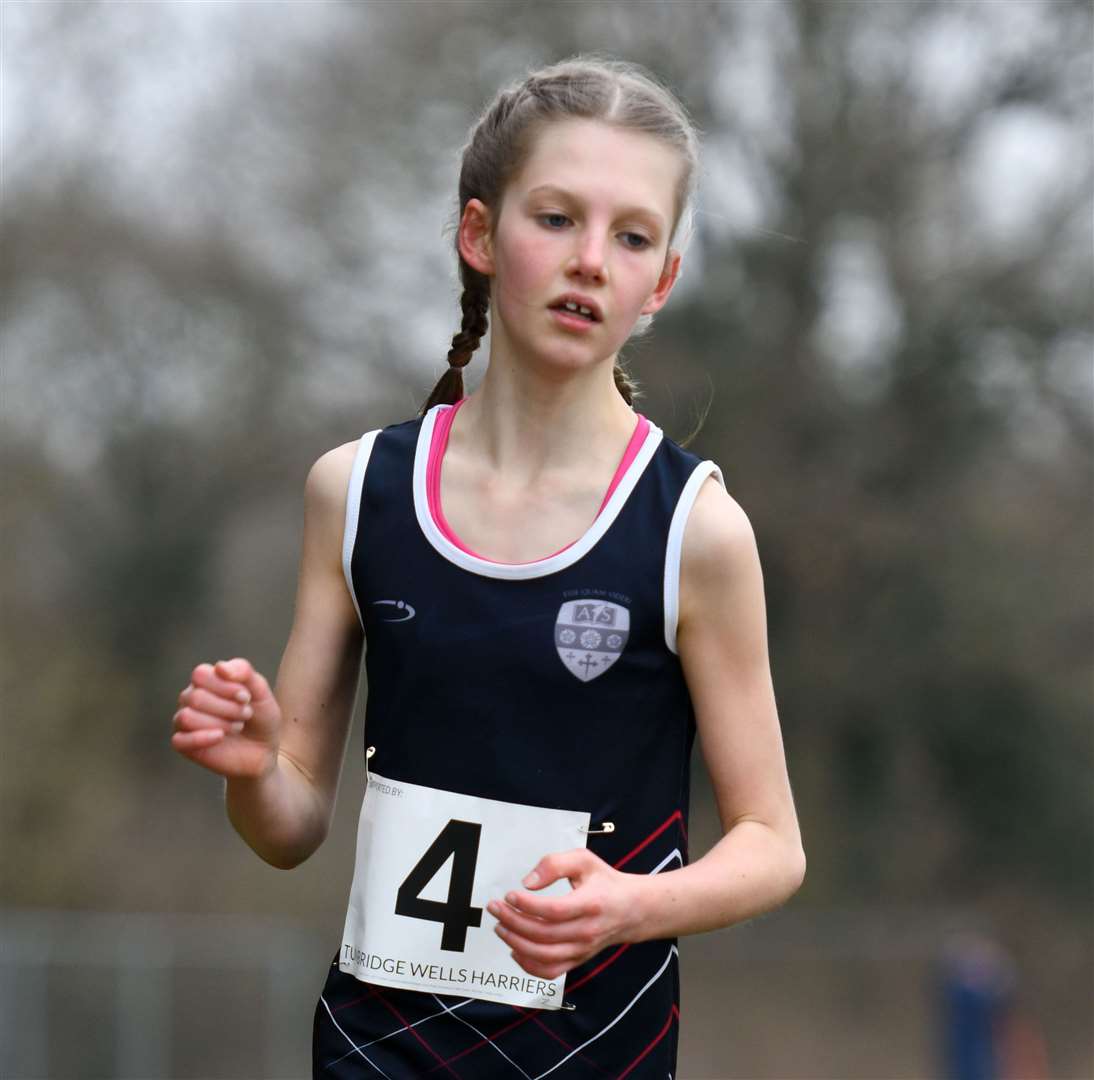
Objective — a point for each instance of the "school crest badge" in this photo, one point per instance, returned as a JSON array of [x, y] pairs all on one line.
[[590, 634]]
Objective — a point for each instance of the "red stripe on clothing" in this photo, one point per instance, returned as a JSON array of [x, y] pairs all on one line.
[[406, 1025], [598, 969], [525, 1017], [675, 816], [486, 1041], [357, 1001], [657, 1038]]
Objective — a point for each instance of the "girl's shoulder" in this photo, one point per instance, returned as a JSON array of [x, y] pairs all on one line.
[[327, 486], [718, 534], [682, 458], [326, 489], [330, 472]]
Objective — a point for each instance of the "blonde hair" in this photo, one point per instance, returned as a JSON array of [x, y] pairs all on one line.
[[591, 87]]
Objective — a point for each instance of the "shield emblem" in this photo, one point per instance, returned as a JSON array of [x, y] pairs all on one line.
[[590, 634]]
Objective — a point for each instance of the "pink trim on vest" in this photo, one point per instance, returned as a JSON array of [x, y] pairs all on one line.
[[439, 442]]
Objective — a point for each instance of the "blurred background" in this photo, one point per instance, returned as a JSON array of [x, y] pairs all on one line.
[[226, 248]]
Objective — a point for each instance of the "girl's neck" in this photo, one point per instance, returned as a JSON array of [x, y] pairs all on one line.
[[522, 429]]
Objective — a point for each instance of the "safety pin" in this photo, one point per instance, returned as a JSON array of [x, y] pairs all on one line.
[[567, 1007], [608, 827], [369, 751]]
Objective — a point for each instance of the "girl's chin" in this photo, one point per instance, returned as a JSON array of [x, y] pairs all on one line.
[[566, 352], [565, 368]]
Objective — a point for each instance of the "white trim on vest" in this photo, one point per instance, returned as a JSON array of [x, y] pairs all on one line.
[[540, 567], [675, 546], [353, 511]]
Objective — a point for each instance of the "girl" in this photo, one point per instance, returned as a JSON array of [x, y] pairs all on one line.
[[522, 871]]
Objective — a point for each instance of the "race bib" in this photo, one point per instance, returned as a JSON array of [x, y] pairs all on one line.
[[428, 862]]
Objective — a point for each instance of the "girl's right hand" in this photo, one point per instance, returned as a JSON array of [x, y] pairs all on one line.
[[228, 720]]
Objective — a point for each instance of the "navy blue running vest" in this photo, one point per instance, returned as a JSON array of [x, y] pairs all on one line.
[[484, 680]]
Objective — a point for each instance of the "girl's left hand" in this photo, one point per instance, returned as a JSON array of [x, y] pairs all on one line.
[[549, 935]]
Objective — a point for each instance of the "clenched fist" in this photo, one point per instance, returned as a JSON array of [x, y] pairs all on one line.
[[228, 720]]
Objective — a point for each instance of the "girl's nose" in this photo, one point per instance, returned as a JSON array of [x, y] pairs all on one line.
[[589, 258]]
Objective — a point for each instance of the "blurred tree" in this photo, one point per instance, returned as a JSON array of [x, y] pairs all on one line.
[[226, 252]]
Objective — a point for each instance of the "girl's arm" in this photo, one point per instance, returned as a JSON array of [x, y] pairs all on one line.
[[286, 815], [283, 767], [759, 863], [722, 641]]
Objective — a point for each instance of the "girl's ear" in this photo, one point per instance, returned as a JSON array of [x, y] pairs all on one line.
[[475, 243], [669, 274]]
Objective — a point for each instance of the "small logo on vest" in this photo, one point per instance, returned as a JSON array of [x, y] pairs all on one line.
[[399, 610], [590, 634]]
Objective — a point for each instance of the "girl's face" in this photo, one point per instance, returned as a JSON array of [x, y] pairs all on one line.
[[589, 215]]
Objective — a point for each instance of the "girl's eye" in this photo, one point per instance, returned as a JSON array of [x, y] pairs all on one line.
[[555, 220]]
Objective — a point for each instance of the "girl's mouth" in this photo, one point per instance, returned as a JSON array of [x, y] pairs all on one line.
[[586, 307], [573, 320]]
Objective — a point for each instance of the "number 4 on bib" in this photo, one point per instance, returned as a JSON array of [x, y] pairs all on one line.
[[408, 837], [460, 840]]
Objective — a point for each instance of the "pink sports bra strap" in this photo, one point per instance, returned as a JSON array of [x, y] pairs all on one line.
[[436, 454]]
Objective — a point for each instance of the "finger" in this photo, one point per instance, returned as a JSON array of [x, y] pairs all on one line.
[[190, 720], [511, 921], [207, 702], [542, 971], [552, 908], [200, 697], [548, 955], [206, 676], [186, 742], [560, 864], [242, 671]]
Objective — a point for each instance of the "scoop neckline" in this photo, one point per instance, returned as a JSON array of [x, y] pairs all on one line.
[[539, 567]]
